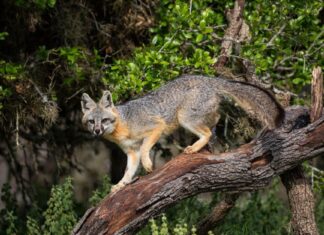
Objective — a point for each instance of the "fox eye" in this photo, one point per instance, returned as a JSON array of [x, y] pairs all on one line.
[[91, 121], [104, 120]]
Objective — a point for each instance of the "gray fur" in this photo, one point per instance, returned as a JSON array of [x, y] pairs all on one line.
[[87, 103], [106, 99], [198, 97]]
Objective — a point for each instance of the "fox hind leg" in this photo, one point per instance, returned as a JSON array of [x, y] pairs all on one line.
[[204, 134], [201, 128]]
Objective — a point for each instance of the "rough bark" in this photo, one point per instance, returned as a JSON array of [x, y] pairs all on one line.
[[300, 195], [232, 34], [301, 201], [317, 94], [250, 167]]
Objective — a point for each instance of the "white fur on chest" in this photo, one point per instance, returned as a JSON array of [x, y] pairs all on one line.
[[130, 144], [125, 143]]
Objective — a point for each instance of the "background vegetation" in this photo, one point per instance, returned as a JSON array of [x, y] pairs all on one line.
[[53, 50]]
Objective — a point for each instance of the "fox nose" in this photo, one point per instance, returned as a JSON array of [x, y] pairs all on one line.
[[97, 131]]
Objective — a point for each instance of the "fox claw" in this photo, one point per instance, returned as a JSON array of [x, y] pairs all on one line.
[[189, 150], [117, 187], [148, 167]]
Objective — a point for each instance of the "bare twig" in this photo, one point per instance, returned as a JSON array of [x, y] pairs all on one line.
[[270, 43], [17, 129], [168, 42], [75, 94], [314, 42], [40, 93]]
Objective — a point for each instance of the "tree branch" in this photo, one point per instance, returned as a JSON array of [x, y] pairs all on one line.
[[317, 94], [235, 18], [301, 201], [250, 167]]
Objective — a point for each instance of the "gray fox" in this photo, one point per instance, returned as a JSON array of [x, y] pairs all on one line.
[[190, 101]]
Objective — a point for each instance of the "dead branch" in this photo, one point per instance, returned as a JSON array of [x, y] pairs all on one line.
[[235, 18], [317, 94], [250, 167]]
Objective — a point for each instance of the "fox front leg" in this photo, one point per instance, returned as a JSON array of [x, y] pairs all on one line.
[[133, 159], [148, 143]]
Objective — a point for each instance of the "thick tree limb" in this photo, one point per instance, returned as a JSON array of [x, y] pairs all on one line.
[[301, 201], [249, 167]]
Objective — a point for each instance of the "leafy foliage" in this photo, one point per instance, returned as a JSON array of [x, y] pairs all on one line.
[[287, 40], [259, 213], [3, 35], [33, 227], [163, 229], [101, 192], [8, 223], [182, 42], [9, 72], [41, 4], [60, 216]]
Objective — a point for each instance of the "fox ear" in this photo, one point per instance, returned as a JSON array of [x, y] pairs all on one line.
[[87, 103], [106, 99]]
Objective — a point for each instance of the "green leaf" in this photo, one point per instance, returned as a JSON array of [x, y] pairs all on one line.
[[202, 24], [297, 81], [51, 3], [3, 35], [199, 38], [155, 39]]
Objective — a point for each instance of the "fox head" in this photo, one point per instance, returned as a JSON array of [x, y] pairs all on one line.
[[99, 117]]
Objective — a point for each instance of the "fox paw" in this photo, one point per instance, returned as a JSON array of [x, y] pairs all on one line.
[[117, 187], [148, 166], [189, 150]]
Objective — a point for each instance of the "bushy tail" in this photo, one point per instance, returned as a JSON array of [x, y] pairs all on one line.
[[256, 101]]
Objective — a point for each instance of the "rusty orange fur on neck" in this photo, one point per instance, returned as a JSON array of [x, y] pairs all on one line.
[[121, 131]]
